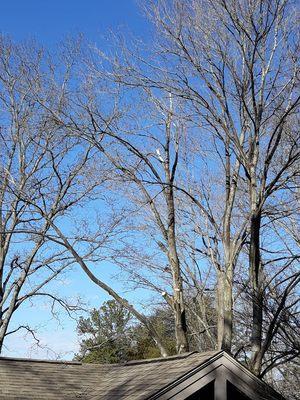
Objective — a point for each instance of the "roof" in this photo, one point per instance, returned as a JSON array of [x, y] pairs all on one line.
[[25, 379], [39, 379]]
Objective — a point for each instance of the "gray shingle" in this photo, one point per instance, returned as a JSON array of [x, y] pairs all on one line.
[[37, 380]]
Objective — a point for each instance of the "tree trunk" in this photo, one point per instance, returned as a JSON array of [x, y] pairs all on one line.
[[220, 309], [224, 309], [178, 299], [4, 322], [181, 336], [227, 304], [227, 314], [257, 293]]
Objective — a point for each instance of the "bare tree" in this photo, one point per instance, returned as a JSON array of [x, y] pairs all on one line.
[[236, 66], [200, 147], [72, 174], [151, 173], [40, 168]]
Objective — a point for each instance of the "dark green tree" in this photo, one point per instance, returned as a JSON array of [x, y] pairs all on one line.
[[111, 335], [105, 334]]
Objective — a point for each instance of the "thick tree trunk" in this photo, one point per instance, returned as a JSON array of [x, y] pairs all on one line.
[[1, 280], [1, 343], [180, 327], [257, 293], [4, 322], [224, 309], [220, 309], [1, 328], [228, 311], [178, 304], [178, 298]]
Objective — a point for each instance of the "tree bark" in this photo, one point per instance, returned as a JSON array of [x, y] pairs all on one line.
[[178, 298], [178, 304], [257, 293], [228, 309], [220, 308]]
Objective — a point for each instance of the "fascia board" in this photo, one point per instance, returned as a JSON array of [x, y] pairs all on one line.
[[247, 376], [221, 364], [202, 375]]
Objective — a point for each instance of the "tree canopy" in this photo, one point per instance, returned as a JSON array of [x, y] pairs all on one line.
[[110, 335]]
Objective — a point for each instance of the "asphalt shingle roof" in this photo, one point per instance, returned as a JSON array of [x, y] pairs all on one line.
[[22, 379]]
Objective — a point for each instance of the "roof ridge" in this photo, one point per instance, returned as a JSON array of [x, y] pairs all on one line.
[[161, 359], [40, 360], [126, 363]]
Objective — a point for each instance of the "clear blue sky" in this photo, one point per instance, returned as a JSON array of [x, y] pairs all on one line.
[[49, 21]]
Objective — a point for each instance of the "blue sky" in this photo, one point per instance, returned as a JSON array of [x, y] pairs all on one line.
[[49, 21]]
